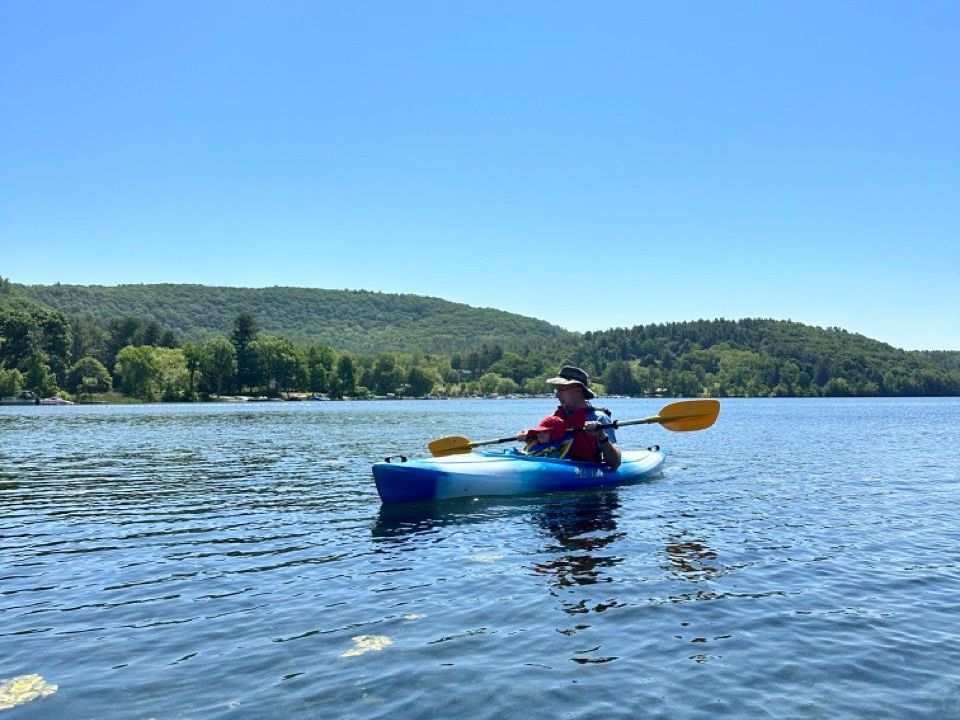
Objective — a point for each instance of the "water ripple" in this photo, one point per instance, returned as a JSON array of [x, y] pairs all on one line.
[[793, 561]]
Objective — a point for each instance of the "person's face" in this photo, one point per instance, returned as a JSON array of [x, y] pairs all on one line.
[[566, 393]]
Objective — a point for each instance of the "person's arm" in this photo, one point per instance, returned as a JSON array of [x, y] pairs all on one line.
[[610, 453]]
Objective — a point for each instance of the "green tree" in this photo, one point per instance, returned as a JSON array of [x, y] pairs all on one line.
[[647, 379], [135, 331], [15, 337], [193, 354], [11, 382], [138, 369], [535, 385], [317, 378], [788, 380], [278, 362], [89, 338], [488, 383], [385, 375], [244, 333], [320, 363], [346, 375], [39, 377], [507, 386], [685, 384], [88, 375], [838, 387], [173, 381], [55, 341], [420, 381], [32, 340], [618, 379], [334, 388], [218, 364], [153, 373], [517, 368]]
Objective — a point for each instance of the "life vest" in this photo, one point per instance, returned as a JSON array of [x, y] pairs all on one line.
[[583, 446], [558, 449]]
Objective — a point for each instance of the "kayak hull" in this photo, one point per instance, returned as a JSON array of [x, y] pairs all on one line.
[[504, 473]]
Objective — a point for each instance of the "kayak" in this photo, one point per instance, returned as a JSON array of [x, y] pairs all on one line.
[[504, 473]]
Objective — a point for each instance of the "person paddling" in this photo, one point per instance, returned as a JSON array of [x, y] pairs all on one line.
[[593, 438]]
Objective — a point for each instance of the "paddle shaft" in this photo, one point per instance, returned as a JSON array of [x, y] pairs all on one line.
[[513, 438], [681, 416]]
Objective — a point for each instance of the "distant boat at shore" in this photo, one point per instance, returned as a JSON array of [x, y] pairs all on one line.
[[24, 398], [28, 398], [55, 400]]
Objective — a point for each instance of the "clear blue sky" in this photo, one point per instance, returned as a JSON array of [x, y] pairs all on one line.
[[592, 164]]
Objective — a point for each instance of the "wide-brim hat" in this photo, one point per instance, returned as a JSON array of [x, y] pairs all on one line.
[[570, 375]]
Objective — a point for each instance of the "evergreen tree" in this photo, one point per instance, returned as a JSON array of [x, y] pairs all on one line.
[[618, 379], [244, 333], [346, 375]]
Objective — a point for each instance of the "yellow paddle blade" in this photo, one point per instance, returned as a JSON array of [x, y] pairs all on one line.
[[687, 415], [453, 445]]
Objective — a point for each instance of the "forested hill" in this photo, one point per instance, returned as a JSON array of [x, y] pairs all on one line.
[[754, 357], [945, 359], [354, 320], [353, 342]]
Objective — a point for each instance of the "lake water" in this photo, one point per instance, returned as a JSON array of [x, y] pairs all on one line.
[[800, 559]]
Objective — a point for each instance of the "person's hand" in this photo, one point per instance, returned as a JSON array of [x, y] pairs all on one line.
[[522, 436], [594, 428]]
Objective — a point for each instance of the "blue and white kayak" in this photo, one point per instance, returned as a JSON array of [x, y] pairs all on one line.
[[504, 473]]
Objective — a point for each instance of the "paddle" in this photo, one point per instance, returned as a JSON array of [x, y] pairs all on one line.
[[681, 416]]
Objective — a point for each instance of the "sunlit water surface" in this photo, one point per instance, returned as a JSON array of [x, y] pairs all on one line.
[[799, 559]]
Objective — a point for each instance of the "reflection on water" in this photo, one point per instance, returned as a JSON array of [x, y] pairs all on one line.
[[577, 532], [404, 522], [579, 528], [581, 554], [580, 532], [690, 559]]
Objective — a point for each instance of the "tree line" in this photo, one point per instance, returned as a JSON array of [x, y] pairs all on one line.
[[142, 360], [47, 352]]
